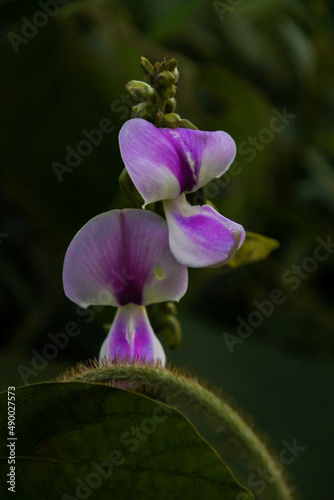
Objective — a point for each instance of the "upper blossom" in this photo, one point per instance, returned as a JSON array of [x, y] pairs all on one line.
[[122, 258], [164, 164]]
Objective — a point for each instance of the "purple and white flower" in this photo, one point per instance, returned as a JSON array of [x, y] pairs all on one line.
[[122, 258], [164, 164]]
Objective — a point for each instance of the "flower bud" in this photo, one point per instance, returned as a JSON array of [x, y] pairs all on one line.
[[143, 110], [172, 120], [138, 110], [176, 75], [140, 91], [172, 67], [147, 66], [165, 78], [171, 64], [170, 105], [170, 91]]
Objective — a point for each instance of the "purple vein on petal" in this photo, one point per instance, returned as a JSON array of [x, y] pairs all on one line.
[[132, 290]]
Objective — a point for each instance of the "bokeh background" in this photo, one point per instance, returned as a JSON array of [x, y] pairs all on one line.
[[241, 63]]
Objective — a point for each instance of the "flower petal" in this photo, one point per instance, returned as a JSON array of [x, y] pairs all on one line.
[[150, 159], [163, 162], [131, 337], [122, 257], [199, 236]]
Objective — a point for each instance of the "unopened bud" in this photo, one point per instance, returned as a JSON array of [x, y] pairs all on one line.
[[172, 67], [143, 110], [146, 65], [140, 91], [170, 91], [176, 75], [171, 64], [165, 78], [170, 105], [172, 120], [138, 110]]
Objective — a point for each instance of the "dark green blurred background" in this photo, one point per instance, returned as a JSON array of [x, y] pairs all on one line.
[[241, 63]]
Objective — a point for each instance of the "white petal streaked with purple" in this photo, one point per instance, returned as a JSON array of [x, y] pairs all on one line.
[[131, 337], [164, 162], [199, 236], [122, 257]]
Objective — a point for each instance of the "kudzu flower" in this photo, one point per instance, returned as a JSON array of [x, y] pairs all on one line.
[[122, 258], [165, 164]]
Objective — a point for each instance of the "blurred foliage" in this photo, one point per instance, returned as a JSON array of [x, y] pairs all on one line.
[[240, 69], [255, 247]]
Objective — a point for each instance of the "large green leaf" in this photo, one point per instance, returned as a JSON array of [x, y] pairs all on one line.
[[78, 440]]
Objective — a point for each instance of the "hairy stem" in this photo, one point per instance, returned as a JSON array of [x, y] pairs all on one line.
[[165, 384]]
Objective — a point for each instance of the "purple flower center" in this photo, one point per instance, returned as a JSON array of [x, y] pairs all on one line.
[[187, 169]]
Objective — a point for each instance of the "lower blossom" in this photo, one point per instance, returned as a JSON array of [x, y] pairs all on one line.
[[122, 258]]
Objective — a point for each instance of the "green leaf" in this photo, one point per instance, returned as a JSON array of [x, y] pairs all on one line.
[[79, 440], [256, 247]]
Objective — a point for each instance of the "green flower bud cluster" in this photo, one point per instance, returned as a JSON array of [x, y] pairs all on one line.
[[164, 73], [156, 98]]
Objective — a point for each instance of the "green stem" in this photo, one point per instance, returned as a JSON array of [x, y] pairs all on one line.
[[163, 383]]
